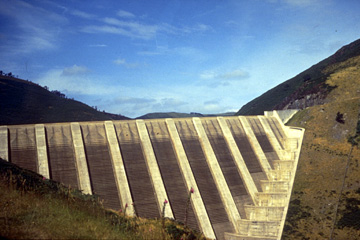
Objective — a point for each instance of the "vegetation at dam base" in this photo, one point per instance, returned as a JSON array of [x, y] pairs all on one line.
[[32, 207]]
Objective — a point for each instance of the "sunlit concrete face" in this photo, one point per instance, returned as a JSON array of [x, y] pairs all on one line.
[[237, 171]]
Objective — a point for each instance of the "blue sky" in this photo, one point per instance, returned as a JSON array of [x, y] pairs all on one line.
[[135, 57]]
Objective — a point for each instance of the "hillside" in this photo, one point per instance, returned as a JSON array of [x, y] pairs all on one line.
[[327, 177], [326, 196], [308, 88], [23, 102]]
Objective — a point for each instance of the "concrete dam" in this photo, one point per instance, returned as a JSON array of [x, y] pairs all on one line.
[[240, 169]]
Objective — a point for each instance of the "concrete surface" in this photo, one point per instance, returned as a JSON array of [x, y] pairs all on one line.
[[241, 169]]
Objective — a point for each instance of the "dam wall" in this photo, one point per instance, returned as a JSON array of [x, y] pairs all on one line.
[[284, 115], [237, 172]]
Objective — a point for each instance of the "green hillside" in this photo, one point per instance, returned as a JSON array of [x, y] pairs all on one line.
[[308, 88], [23, 102]]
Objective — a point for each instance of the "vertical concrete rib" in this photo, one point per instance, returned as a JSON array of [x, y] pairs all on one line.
[[217, 174], [271, 136], [256, 146], [299, 134], [198, 204], [4, 143], [122, 183], [153, 168], [42, 157], [240, 163], [283, 127], [80, 157]]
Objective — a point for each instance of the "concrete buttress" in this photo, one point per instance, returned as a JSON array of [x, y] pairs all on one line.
[[228, 177]]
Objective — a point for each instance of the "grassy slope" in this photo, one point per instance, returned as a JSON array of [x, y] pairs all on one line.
[[32, 207], [310, 81], [23, 102], [323, 161]]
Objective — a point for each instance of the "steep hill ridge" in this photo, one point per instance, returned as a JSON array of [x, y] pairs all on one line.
[[23, 102], [308, 88]]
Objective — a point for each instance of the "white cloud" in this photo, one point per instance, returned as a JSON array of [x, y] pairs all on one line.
[[216, 78], [33, 28], [236, 74], [138, 100], [297, 3], [107, 29], [136, 106], [97, 45], [82, 14], [167, 104], [131, 105], [75, 70], [208, 75], [190, 53], [214, 101], [125, 14], [213, 106], [134, 100], [149, 53], [121, 61], [138, 29], [125, 28], [41, 41], [72, 82], [196, 28]]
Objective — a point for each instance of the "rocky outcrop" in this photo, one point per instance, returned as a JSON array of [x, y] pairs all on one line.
[[306, 101]]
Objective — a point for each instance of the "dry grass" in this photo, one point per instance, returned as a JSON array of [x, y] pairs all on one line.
[[320, 174], [30, 215]]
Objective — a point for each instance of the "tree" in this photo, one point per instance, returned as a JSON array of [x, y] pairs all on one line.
[[58, 93]]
